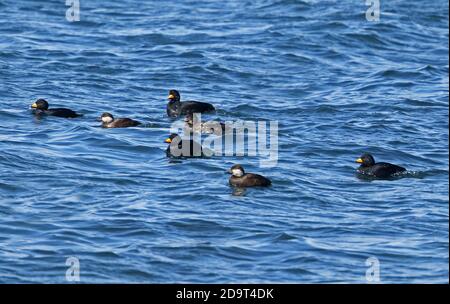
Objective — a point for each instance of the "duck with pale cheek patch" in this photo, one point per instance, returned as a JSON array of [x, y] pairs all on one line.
[[108, 121], [176, 108], [179, 148], [243, 180], [379, 170], [41, 107], [207, 127]]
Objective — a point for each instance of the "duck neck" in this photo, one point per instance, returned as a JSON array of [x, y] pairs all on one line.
[[174, 102]]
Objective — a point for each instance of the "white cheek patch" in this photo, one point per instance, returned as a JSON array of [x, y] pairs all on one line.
[[107, 119], [237, 172]]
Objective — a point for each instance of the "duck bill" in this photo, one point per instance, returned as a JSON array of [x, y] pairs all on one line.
[[34, 106], [359, 161], [171, 97], [168, 141]]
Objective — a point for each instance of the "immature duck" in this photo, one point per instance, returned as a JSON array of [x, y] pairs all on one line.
[[207, 127], [184, 148], [175, 107], [242, 180], [108, 121], [379, 170], [41, 108]]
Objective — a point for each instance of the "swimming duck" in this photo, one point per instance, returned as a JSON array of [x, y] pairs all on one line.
[[242, 180], [380, 170], [177, 147], [175, 107], [41, 107], [108, 121], [207, 127]]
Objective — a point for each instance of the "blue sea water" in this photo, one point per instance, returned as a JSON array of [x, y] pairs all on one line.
[[338, 85]]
